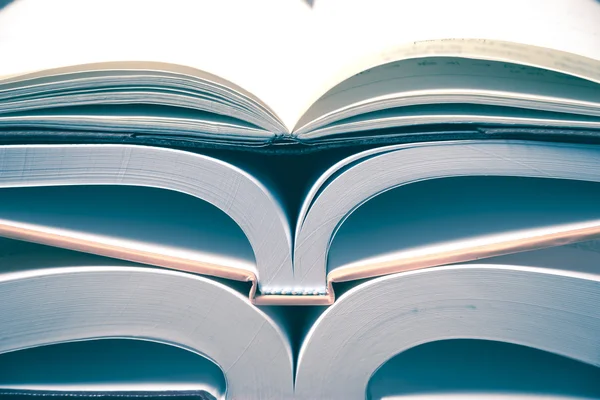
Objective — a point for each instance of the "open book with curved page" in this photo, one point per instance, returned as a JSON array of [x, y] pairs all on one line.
[[403, 207], [172, 191], [323, 88], [76, 323]]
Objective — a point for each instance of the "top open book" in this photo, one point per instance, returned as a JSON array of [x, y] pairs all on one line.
[[330, 72]]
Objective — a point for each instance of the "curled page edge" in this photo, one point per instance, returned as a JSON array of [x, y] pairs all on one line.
[[300, 297]]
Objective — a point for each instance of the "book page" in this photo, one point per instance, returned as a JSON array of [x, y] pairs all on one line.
[[358, 35], [287, 53], [369, 174], [250, 43], [410, 81], [42, 307], [250, 205], [551, 310]]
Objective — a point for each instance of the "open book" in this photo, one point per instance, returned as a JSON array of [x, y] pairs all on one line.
[[168, 178], [535, 314], [376, 212], [316, 82]]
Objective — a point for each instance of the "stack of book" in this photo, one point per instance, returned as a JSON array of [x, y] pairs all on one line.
[[276, 199]]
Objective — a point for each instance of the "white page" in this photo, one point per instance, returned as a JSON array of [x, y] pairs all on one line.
[[61, 305], [547, 309], [247, 202], [368, 174], [285, 52], [361, 34], [250, 43], [419, 81]]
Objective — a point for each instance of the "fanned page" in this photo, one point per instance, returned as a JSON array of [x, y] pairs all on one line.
[[166, 333], [291, 52], [391, 31], [83, 326], [416, 206]]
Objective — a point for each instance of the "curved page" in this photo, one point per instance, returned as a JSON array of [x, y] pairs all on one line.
[[373, 172], [442, 80], [290, 52], [551, 310], [451, 110], [194, 313], [185, 99], [406, 74], [226, 187]]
